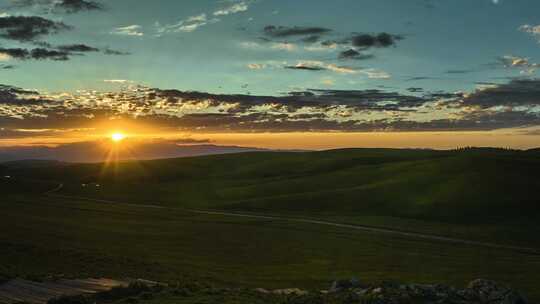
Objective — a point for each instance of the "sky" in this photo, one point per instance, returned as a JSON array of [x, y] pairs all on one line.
[[297, 74]]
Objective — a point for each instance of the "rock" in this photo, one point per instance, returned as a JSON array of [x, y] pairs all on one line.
[[341, 285], [421, 291], [355, 283], [491, 292], [290, 291], [262, 290]]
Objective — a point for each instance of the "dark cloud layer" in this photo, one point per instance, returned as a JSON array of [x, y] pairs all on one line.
[[108, 51], [28, 28], [59, 53], [10, 95], [309, 110], [354, 54], [381, 40], [31, 30], [361, 99], [59, 6], [82, 48], [286, 31], [305, 67], [75, 6], [518, 92], [36, 54]]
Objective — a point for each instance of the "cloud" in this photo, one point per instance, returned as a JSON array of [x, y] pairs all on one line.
[[375, 74], [458, 71], [284, 46], [351, 47], [354, 54], [256, 66], [80, 48], [75, 6], [10, 95], [118, 81], [521, 63], [250, 45], [186, 26], [7, 67], [286, 31], [531, 29], [320, 47], [58, 53], [233, 9], [56, 6], [108, 51], [516, 103], [305, 67], [193, 23], [130, 30], [311, 65], [36, 54], [514, 61], [28, 28], [518, 92], [5, 57], [381, 40]]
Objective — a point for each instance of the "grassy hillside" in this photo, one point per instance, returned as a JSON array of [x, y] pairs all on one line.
[[53, 236], [486, 194]]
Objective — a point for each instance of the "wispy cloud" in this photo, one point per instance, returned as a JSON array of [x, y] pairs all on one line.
[[311, 65], [187, 25], [531, 29], [233, 9], [521, 63], [193, 23], [118, 81], [375, 74], [130, 30], [256, 66], [284, 46]]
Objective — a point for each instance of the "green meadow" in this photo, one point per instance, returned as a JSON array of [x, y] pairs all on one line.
[[478, 194]]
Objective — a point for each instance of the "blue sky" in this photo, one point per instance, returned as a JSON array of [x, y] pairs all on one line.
[[439, 36], [272, 65]]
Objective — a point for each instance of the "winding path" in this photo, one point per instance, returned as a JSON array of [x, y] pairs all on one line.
[[364, 228]]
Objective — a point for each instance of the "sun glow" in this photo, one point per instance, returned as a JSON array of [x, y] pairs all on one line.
[[117, 137]]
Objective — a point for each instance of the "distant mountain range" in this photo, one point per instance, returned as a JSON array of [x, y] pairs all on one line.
[[100, 151]]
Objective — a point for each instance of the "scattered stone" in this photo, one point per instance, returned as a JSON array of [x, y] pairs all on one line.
[[290, 291], [491, 292], [477, 292], [262, 290], [341, 285]]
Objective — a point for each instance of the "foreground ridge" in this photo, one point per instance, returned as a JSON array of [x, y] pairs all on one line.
[[351, 291]]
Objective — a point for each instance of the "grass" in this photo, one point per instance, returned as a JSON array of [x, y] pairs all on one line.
[[80, 239], [483, 194], [486, 195]]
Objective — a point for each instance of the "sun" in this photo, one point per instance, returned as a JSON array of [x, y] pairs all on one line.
[[117, 137]]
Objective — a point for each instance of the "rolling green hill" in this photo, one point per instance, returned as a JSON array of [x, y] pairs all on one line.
[[477, 194], [403, 188]]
